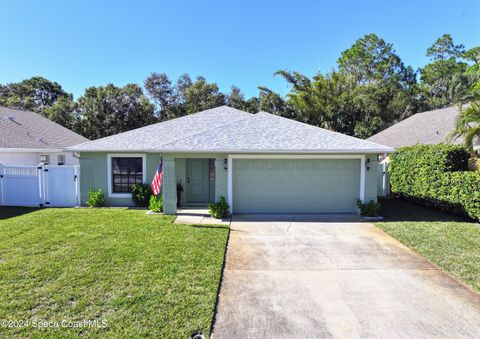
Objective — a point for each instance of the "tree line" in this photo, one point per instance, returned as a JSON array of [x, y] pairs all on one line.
[[369, 89]]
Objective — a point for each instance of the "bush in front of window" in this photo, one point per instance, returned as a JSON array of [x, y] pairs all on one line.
[[95, 198], [156, 204], [141, 194]]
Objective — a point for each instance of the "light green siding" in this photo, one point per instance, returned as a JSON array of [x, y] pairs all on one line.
[[221, 189], [371, 178], [295, 185], [93, 172], [169, 185], [94, 175]]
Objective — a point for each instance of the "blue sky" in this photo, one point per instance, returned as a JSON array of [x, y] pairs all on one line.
[[85, 43]]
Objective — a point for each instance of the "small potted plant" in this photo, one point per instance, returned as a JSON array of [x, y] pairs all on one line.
[[179, 192]]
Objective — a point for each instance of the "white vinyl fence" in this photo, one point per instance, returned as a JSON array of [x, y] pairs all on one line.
[[43, 185], [383, 183]]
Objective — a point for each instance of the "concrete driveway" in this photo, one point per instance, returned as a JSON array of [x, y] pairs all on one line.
[[314, 276]]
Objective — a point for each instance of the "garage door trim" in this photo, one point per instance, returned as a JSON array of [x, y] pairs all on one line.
[[231, 157]]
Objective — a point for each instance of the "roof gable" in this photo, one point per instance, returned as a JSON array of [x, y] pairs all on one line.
[[30, 130]]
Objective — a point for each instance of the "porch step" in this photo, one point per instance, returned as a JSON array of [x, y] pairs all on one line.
[[198, 216]]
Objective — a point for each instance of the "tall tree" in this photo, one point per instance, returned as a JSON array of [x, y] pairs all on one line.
[[443, 79], [107, 110], [64, 112], [201, 95], [236, 99], [160, 89], [371, 59], [269, 101], [35, 94], [371, 89]]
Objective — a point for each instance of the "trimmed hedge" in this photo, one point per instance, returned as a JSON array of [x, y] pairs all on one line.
[[437, 176]]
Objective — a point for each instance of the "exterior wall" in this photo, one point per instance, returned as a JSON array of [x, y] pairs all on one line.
[[221, 178], [94, 175], [93, 172], [371, 178], [33, 158]]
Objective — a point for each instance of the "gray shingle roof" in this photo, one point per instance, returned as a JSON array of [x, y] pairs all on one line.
[[25, 129], [431, 127], [224, 129]]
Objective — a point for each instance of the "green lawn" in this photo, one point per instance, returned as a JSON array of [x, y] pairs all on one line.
[[451, 242], [140, 273]]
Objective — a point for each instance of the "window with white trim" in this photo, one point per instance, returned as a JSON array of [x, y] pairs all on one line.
[[125, 173], [44, 159], [61, 159]]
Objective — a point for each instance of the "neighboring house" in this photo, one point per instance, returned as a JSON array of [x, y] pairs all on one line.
[[27, 138], [432, 127], [261, 163]]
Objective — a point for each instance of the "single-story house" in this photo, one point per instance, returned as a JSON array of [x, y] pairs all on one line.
[[28, 139], [432, 127], [261, 163]]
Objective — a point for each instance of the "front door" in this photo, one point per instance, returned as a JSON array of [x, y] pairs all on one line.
[[197, 188]]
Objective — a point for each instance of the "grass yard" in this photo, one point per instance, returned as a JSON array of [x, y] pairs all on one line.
[[141, 274], [449, 241]]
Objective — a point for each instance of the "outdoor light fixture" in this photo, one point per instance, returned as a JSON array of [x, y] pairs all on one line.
[[367, 164], [225, 164]]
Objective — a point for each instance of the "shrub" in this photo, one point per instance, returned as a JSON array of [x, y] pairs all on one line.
[[141, 194], [436, 176], [369, 209], [95, 198], [220, 209], [155, 204]]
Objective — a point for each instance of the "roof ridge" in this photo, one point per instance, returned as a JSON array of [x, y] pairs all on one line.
[[210, 129]]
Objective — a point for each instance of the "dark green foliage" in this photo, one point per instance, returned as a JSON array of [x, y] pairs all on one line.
[[141, 194], [95, 198], [187, 96], [468, 123], [35, 94], [108, 110], [369, 209], [156, 204], [220, 209], [438, 176]]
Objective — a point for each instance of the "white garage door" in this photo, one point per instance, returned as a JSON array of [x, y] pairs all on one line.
[[295, 185]]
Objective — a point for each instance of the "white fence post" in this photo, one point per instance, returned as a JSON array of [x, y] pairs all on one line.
[[77, 184], [1, 185], [41, 184]]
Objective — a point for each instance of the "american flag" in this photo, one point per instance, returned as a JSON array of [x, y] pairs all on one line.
[[157, 180]]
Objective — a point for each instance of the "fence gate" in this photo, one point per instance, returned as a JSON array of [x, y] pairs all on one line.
[[43, 185]]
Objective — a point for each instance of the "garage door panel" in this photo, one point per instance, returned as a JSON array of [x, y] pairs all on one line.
[[295, 186]]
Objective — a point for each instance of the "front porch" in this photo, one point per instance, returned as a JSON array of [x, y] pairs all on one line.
[[192, 181]]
